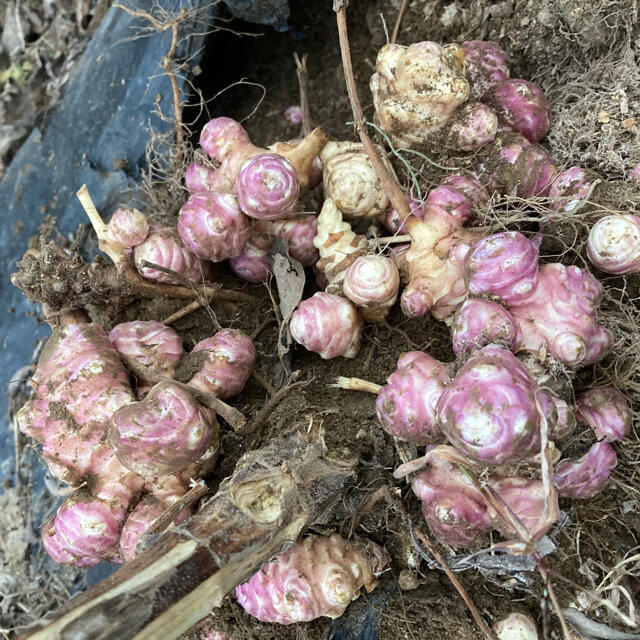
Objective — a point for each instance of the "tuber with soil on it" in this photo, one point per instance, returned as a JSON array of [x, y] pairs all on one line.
[[317, 577]]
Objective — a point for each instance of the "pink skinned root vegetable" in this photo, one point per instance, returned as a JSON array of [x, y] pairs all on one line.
[[473, 126], [434, 262], [521, 106], [299, 233], [293, 114], [212, 226], [371, 283], [126, 229], [87, 526], [252, 264], [613, 245], [328, 325], [589, 475], [394, 223], [146, 513], [511, 165], [148, 343], [490, 411], [317, 577], [267, 186], [228, 359], [163, 433], [486, 66], [478, 323], [198, 178], [453, 507], [535, 508], [570, 188], [606, 411], [406, 405], [164, 248], [79, 383], [554, 306], [226, 141]]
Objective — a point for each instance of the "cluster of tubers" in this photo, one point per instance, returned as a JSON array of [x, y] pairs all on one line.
[[131, 451]]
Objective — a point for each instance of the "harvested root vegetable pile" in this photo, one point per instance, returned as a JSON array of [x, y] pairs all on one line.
[[397, 366]]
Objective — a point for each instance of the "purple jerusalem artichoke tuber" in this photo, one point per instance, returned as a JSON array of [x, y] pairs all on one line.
[[521, 106], [589, 475], [126, 229], [489, 411], [473, 126], [328, 325], [165, 491], [535, 507], [226, 140], [267, 186], [554, 306], [453, 507], [485, 68], [513, 166], [371, 283], [252, 264], [406, 405], [434, 262], [606, 411], [163, 433], [293, 114], [317, 577], [394, 223], [299, 233], [198, 178], [570, 188], [229, 360], [478, 323], [79, 383], [613, 245], [150, 344], [212, 226], [164, 248]]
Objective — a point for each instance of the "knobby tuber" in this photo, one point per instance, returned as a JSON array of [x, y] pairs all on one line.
[[516, 626], [317, 577]]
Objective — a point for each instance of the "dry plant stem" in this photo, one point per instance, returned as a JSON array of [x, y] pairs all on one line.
[[272, 403], [396, 28], [391, 240], [357, 384], [193, 495], [181, 313], [303, 84], [263, 382], [542, 570], [459, 588], [167, 65], [272, 497], [391, 186], [117, 257]]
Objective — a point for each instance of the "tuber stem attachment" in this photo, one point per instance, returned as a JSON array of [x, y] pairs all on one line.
[[99, 226], [357, 384]]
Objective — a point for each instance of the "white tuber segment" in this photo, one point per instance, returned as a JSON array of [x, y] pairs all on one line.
[[614, 244], [516, 626], [417, 89], [351, 181], [338, 245], [372, 283]]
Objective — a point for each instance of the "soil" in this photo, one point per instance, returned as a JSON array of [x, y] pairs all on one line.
[[583, 55]]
